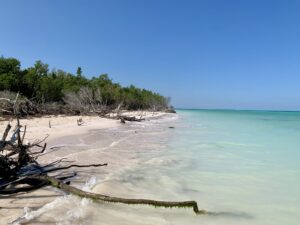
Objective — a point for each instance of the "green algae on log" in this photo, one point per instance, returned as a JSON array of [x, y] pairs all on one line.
[[167, 204]]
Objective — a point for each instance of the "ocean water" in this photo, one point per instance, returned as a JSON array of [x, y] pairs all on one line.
[[242, 165]]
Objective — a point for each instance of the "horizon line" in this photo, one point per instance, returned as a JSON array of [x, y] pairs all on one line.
[[227, 109]]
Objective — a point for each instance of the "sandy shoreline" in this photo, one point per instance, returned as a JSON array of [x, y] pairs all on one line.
[[64, 129]]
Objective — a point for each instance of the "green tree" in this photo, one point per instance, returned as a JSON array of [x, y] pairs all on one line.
[[79, 71], [40, 85], [33, 78], [10, 74]]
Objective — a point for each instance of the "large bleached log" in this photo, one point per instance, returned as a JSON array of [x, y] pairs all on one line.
[[130, 118]]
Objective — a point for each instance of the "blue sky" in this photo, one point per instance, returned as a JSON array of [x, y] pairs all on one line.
[[241, 54]]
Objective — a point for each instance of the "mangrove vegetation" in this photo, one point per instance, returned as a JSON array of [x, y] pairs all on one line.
[[50, 91]]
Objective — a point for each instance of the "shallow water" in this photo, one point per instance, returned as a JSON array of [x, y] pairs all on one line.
[[243, 165]]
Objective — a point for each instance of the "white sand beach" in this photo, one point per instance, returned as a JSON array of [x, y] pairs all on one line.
[[77, 143]]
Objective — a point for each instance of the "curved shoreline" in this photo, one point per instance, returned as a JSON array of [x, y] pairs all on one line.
[[64, 130]]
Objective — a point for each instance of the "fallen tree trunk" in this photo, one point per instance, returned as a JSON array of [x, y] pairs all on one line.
[[166, 204]]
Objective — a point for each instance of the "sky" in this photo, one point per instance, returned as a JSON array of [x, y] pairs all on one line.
[[242, 54]]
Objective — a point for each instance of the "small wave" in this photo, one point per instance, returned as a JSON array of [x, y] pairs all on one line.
[[30, 215], [164, 119], [76, 212], [89, 184]]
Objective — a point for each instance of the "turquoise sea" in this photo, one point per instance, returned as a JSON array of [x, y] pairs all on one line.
[[242, 165]]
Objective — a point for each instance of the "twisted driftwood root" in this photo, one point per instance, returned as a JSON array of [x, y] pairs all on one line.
[[167, 204]]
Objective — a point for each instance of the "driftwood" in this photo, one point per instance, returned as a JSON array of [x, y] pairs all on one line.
[[122, 118], [13, 104], [21, 172], [167, 204], [131, 118], [80, 122]]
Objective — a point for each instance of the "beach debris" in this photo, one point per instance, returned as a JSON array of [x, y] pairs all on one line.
[[80, 122], [130, 118], [8, 127], [21, 172], [13, 104], [122, 120]]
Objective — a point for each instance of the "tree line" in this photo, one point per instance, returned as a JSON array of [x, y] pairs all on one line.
[[43, 86]]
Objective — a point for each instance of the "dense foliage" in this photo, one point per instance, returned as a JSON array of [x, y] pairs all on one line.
[[41, 85]]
